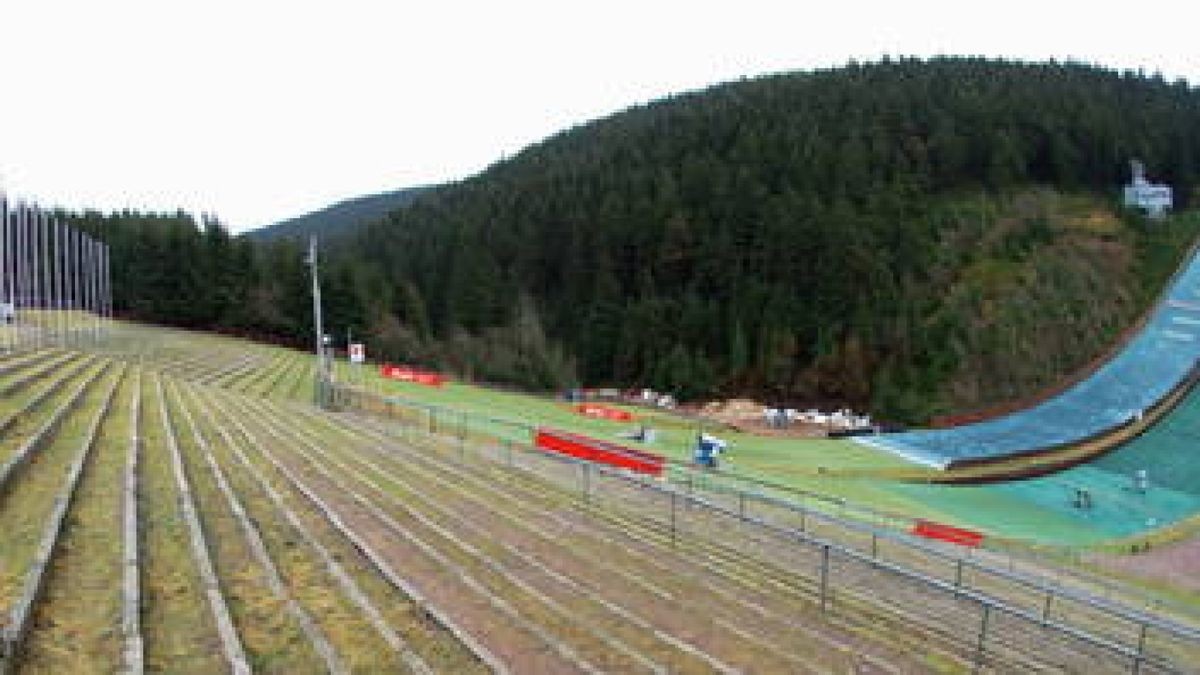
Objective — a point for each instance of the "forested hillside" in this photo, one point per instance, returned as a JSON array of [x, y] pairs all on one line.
[[913, 237], [339, 218], [170, 269]]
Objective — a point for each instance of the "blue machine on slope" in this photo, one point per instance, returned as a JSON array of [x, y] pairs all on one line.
[[708, 450]]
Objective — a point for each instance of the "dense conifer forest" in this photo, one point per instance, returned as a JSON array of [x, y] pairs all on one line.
[[339, 218], [910, 237]]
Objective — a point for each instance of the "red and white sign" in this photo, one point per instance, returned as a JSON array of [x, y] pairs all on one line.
[[358, 352]]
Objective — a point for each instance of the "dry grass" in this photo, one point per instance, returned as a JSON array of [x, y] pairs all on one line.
[[587, 555], [272, 638], [461, 508], [76, 627], [177, 627], [306, 578], [1078, 615], [26, 420], [435, 646], [28, 502]]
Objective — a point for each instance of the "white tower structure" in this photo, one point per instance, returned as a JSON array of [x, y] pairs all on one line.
[[1152, 198]]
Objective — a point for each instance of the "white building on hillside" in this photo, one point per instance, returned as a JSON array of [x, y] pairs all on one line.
[[1154, 199]]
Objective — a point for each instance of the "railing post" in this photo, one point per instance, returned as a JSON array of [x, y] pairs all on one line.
[[874, 545], [824, 577], [983, 626], [673, 516], [587, 482], [1046, 607], [508, 455], [741, 505], [958, 575], [462, 437], [1141, 648]]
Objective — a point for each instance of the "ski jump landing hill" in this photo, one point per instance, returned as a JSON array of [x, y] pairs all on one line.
[[1158, 361]]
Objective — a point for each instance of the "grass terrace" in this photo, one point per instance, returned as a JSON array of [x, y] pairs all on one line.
[[271, 535]]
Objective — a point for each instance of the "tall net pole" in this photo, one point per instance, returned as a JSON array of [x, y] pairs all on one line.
[[22, 270], [73, 271], [94, 267], [105, 324], [4, 268], [60, 305], [101, 285], [31, 247], [35, 257], [17, 220], [49, 269], [41, 275], [44, 280], [39, 254], [80, 290], [68, 298], [60, 326], [107, 290], [86, 269], [39, 291], [10, 237], [6, 264], [27, 260]]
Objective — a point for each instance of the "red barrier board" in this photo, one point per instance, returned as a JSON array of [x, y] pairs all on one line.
[[954, 535], [604, 412], [595, 450], [410, 374]]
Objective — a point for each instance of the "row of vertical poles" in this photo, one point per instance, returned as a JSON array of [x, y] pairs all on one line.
[[54, 281]]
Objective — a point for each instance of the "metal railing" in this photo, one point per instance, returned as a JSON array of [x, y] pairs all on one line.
[[1051, 572], [861, 563]]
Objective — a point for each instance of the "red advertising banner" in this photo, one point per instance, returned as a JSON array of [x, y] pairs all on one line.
[[410, 374], [954, 535], [604, 412], [595, 450]]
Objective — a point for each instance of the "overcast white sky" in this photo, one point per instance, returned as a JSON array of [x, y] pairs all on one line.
[[259, 110]]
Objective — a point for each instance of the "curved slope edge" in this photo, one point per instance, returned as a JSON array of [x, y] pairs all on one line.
[[1154, 363]]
